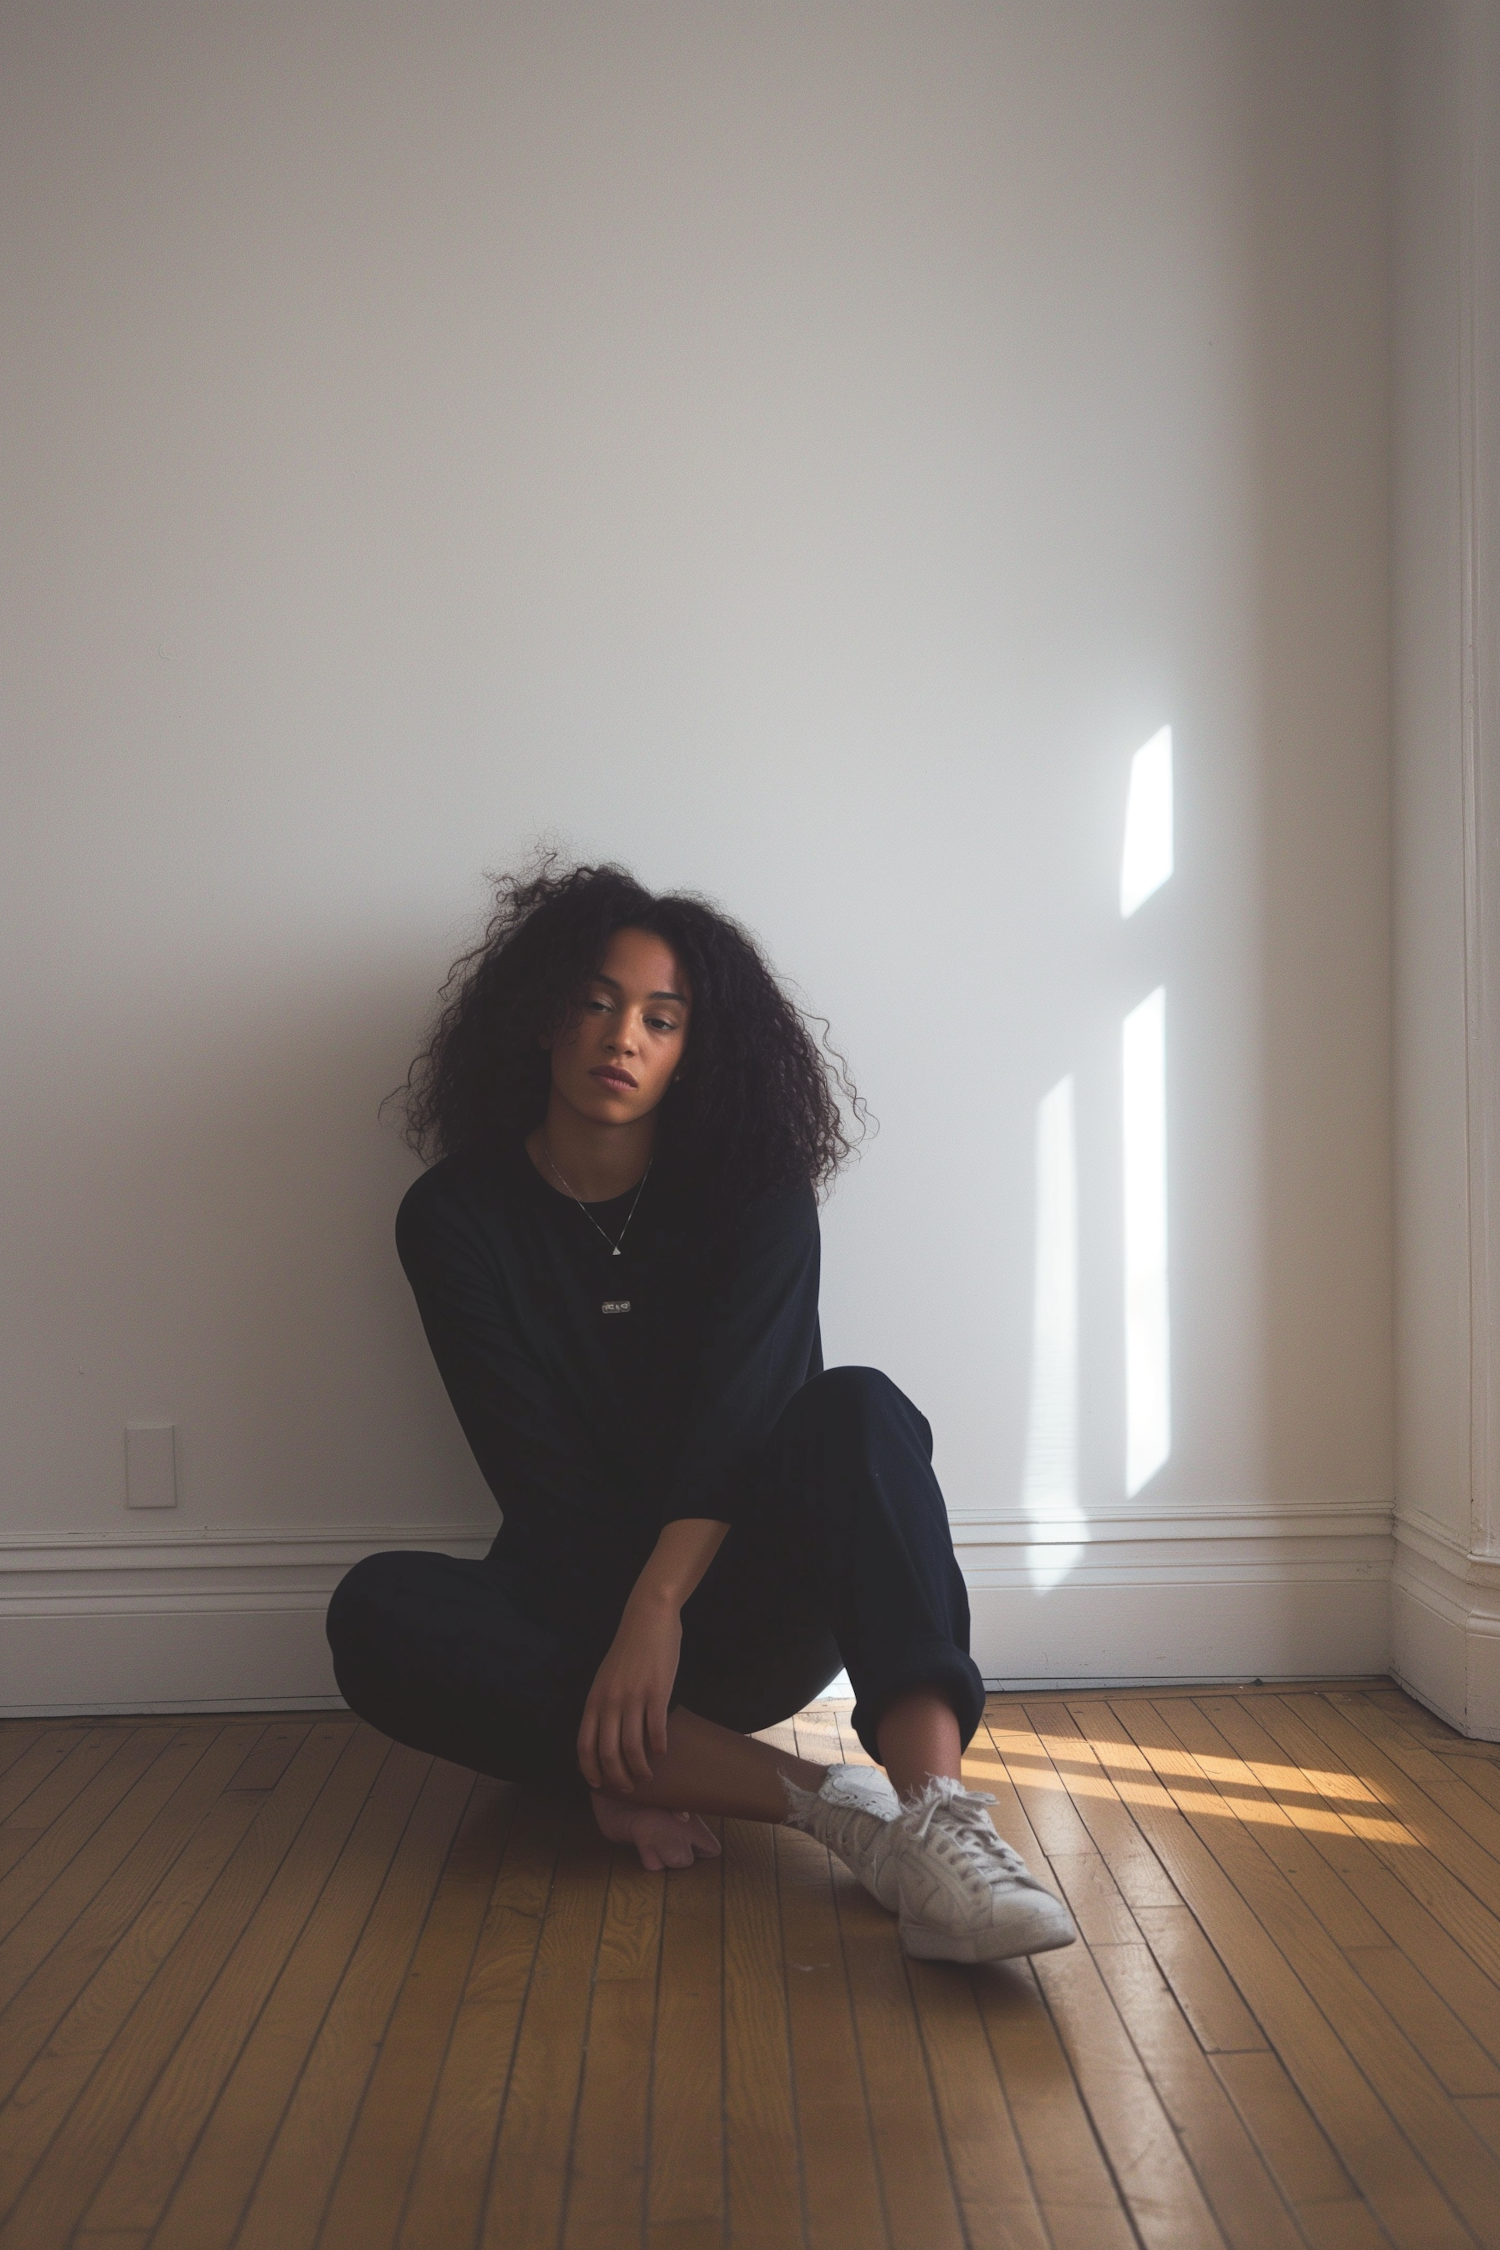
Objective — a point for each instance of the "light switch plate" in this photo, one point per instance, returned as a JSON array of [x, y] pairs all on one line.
[[150, 1464]]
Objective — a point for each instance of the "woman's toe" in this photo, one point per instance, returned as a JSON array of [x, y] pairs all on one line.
[[662, 1839]]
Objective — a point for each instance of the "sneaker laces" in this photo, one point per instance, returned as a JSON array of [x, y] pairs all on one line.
[[967, 1826]]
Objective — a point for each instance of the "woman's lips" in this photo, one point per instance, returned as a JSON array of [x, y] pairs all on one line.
[[620, 1078]]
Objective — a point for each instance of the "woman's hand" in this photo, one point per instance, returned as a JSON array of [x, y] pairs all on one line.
[[625, 1718]]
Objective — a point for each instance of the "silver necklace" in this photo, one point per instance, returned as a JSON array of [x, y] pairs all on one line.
[[614, 1245]]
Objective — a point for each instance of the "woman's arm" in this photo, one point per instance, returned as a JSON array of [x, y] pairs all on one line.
[[528, 1439], [759, 1347], [625, 1718]]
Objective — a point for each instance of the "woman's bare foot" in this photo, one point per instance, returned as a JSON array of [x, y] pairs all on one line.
[[663, 1839]]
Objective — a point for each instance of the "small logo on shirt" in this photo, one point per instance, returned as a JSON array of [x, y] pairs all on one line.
[[615, 1304]]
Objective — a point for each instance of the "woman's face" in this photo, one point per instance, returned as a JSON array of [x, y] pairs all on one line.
[[616, 1061]]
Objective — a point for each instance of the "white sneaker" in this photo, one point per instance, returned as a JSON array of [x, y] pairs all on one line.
[[852, 1815], [963, 1894]]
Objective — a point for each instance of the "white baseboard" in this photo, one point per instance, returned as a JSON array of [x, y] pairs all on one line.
[[207, 1620], [232, 1619], [1445, 1628], [1227, 1592]]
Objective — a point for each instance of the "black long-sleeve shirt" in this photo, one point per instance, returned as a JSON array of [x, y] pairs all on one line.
[[595, 1426]]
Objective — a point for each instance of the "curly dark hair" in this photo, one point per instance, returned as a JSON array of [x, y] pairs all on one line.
[[763, 1104]]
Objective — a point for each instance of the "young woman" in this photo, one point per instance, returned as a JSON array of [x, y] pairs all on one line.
[[616, 1264]]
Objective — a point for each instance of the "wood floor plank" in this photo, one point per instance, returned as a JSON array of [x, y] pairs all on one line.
[[73, 1888], [762, 2172], [1015, 1752], [369, 2195], [1044, 1737], [1458, 2062], [57, 1849], [15, 1843], [840, 2173], [218, 2005], [98, 1967], [49, 1751], [148, 2161], [1296, 2150], [523, 2208], [1003, 1700], [918, 2190], [606, 2204], [267, 1758], [16, 1738], [458, 2147], [202, 1898], [1424, 1729], [1285, 1818], [1483, 2113], [1416, 1840], [996, 2198], [1221, 2021], [1482, 1775], [93, 1772], [1419, 1721], [58, 2191], [1094, 1899], [53, 2064], [685, 2182], [1293, 2147], [1163, 2197], [1370, 1869], [1074, 2188], [1451, 1820], [1383, 2164], [1071, 2182], [1240, 2191], [1342, 2226], [213, 2186], [1162, 2194], [1466, 2173], [287, 2204]]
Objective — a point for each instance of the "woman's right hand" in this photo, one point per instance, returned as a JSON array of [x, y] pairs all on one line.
[[625, 1718]]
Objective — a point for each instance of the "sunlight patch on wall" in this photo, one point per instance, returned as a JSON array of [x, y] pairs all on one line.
[[1146, 862], [1148, 1398], [1049, 1490]]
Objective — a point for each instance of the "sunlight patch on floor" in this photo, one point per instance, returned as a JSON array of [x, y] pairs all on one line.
[[1241, 1791]]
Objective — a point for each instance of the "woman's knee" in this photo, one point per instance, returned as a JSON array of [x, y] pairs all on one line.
[[368, 1602], [859, 1397]]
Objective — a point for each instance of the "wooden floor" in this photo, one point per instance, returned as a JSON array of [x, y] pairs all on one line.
[[277, 1984]]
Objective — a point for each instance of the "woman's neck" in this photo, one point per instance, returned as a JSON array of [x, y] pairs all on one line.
[[593, 1162]]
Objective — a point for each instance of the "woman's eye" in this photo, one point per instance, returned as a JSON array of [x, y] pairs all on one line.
[[660, 1023]]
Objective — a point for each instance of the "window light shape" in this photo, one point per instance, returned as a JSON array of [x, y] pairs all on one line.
[[1146, 862]]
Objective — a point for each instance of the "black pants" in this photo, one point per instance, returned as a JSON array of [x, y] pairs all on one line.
[[843, 1558]]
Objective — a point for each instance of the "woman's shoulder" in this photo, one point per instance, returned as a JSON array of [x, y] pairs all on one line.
[[779, 1214], [476, 1190]]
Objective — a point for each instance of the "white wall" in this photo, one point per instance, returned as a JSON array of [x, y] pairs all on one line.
[[1446, 649], [804, 452]]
